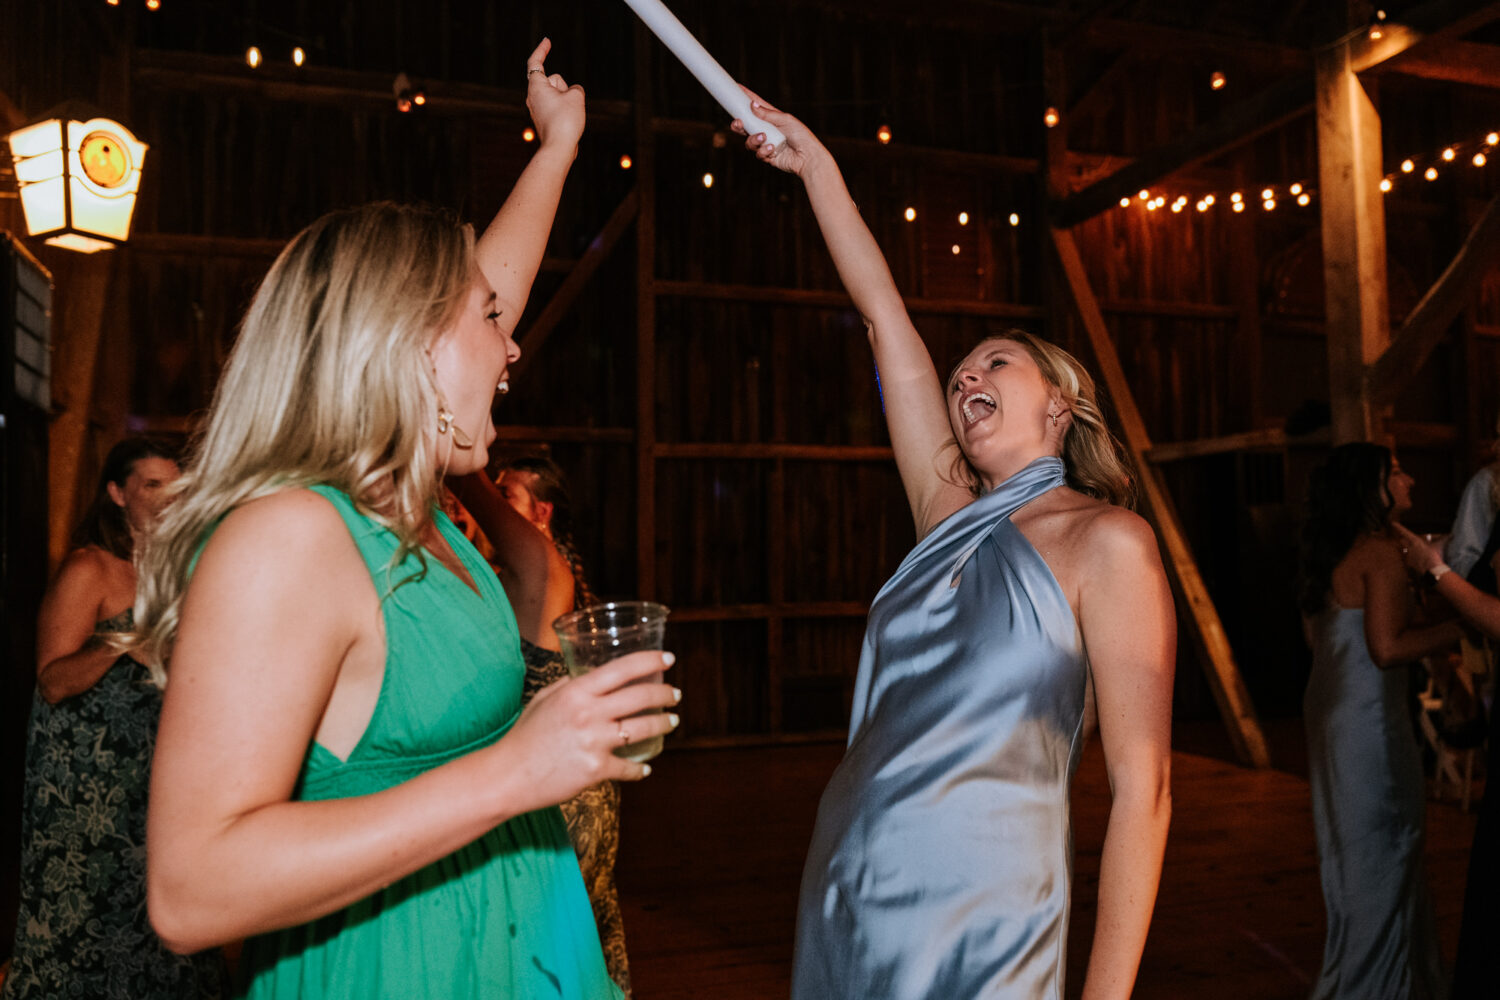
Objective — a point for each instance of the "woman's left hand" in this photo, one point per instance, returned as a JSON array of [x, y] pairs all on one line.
[[556, 108], [1420, 555]]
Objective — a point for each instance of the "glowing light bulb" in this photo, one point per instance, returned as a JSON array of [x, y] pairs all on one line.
[[298, 56], [1124, 202], [1269, 204], [1176, 206], [1480, 159], [1217, 81], [708, 180], [153, 4], [625, 162], [1295, 189], [1239, 206], [1269, 194], [1208, 199], [1385, 184], [1202, 206], [883, 134], [1304, 198], [1431, 173], [963, 218], [1407, 166], [1152, 206], [911, 215], [1237, 198], [1375, 33], [252, 57], [1015, 220], [1493, 139], [1051, 117], [419, 98], [955, 249], [113, 3], [1143, 194], [528, 136], [1449, 154]]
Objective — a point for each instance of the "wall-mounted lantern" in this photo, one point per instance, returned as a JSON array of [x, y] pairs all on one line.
[[78, 179]]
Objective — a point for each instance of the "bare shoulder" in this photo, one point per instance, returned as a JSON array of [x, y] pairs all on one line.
[[89, 563], [1086, 524], [1376, 553], [287, 532]]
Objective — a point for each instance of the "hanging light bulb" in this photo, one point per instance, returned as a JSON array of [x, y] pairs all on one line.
[[708, 180], [911, 214], [1449, 154], [298, 56], [625, 162], [1176, 207], [1051, 118], [1208, 199], [1202, 205], [1238, 206], [1304, 198], [963, 218], [955, 249], [1143, 194], [1295, 189], [1269, 204], [1431, 173], [1125, 202], [1217, 81], [1151, 205], [883, 134], [529, 135], [1493, 139], [1480, 159], [1407, 166], [1268, 194], [113, 3], [1015, 220], [1385, 184], [1237, 198], [153, 4]]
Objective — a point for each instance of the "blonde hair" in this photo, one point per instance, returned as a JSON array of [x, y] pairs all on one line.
[[329, 382], [1096, 463]]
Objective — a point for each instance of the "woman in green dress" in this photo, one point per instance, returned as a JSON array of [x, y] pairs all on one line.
[[81, 929], [344, 773]]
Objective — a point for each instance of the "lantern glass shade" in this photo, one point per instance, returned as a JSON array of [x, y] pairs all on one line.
[[78, 181]]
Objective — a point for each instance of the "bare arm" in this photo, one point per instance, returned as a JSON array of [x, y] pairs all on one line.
[[1130, 631], [916, 413], [537, 579], [1479, 609], [69, 660], [230, 853], [510, 251], [1392, 639]]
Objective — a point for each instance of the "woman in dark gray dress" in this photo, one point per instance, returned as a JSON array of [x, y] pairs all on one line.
[[941, 861], [1364, 765]]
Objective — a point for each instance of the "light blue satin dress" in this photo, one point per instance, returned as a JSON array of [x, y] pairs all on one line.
[[941, 860], [1365, 770]]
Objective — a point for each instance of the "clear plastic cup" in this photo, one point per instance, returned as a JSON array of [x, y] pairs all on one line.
[[594, 635]]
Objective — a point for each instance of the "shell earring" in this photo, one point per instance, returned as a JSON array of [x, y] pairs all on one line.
[[461, 441]]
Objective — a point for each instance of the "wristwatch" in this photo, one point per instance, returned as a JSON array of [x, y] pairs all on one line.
[[1432, 576]]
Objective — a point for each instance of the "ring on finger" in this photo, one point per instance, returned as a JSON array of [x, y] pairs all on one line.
[[534, 70], [624, 737]]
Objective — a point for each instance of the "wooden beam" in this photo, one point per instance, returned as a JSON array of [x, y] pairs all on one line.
[[1271, 437], [1435, 313], [1353, 220], [763, 450], [830, 299], [562, 300], [1224, 678], [1453, 62]]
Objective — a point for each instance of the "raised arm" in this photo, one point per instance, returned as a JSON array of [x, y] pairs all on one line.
[[69, 660], [1130, 632], [915, 410], [230, 853], [511, 248]]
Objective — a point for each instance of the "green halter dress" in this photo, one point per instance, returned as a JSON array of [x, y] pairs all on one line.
[[505, 916]]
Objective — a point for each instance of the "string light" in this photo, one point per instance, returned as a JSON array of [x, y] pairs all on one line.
[[1051, 118], [911, 214], [1143, 194], [1237, 198], [883, 134], [1015, 220], [1124, 202], [1375, 32], [1217, 81], [1176, 207], [1269, 204], [528, 136], [1431, 173], [1208, 199], [1295, 189], [1238, 206], [1269, 194], [708, 180], [1304, 198], [252, 57], [1480, 159], [113, 3], [1385, 184], [625, 162], [955, 249], [1407, 166], [1493, 139], [298, 56], [1151, 205], [1449, 154], [1202, 205], [153, 4], [963, 218]]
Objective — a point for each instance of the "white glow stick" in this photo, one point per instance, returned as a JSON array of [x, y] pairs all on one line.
[[720, 85]]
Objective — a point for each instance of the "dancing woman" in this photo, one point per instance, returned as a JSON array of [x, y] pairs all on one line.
[[940, 864], [344, 772]]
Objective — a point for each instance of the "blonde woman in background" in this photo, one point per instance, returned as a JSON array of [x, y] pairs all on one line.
[[940, 866], [344, 773]]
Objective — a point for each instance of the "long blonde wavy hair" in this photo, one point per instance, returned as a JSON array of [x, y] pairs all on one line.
[[1096, 463], [329, 382]]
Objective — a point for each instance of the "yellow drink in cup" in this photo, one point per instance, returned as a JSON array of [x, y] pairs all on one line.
[[592, 636]]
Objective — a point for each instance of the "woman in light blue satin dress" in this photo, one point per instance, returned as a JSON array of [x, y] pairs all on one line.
[[940, 866], [1365, 769]]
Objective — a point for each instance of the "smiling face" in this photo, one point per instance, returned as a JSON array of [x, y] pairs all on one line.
[[469, 359], [143, 495], [1000, 407]]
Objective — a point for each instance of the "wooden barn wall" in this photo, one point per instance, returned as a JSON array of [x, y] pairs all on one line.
[[769, 561]]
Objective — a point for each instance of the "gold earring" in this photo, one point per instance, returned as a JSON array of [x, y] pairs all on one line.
[[445, 419]]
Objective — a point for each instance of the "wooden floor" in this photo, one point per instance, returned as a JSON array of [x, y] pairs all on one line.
[[713, 845]]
